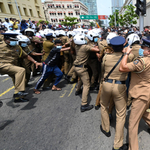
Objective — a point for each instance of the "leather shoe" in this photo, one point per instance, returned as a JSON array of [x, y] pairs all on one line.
[[1, 103], [78, 92], [20, 100], [124, 147], [20, 95], [97, 107], [108, 134], [86, 107]]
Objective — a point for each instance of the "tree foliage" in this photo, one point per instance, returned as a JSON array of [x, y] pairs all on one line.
[[92, 24], [128, 18], [69, 21]]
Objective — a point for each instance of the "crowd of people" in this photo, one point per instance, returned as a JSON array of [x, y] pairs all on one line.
[[113, 61]]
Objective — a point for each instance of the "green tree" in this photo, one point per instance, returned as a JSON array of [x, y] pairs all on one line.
[[129, 17], [92, 24], [69, 21], [114, 17]]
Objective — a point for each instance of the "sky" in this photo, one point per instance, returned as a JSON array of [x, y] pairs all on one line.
[[103, 7]]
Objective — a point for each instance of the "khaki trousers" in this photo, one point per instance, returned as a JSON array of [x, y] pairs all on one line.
[[84, 76], [138, 111], [66, 61], [94, 67], [17, 74], [118, 93], [72, 73]]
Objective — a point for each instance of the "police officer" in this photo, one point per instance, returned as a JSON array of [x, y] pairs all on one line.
[[9, 55], [82, 55], [113, 87], [92, 61], [25, 63], [139, 91]]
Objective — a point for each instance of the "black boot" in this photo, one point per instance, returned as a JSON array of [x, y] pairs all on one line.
[[20, 95], [78, 92], [1, 103], [108, 134], [86, 107], [124, 147], [20, 100], [97, 107]]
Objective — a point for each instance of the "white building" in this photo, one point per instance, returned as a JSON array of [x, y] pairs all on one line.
[[147, 16], [56, 10]]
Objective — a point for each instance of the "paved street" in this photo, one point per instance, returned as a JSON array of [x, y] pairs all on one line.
[[53, 121]]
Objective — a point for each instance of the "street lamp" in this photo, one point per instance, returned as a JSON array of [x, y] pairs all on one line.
[[18, 10]]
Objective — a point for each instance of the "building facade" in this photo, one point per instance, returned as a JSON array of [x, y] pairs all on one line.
[[56, 10], [28, 9], [147, 16], [116, 4], [91, 5]]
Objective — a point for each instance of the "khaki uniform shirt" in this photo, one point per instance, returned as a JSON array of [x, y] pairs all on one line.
[[47, 46], [140, 82], [33, 44], [109, 61], [10, 54], [102, 45], [82, 54], [135, 50]]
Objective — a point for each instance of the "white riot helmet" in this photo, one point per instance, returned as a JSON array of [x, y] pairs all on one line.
[[79, 39], [29, 30], [70, 33], [48, 31], [41, 32], [56, 33], [133, 38], [91, 35], [23, 40], [62, 33], [110, 36]]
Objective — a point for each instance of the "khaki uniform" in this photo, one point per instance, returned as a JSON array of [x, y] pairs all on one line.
[[66, 54], [93, 64], [72, 72], [117, 92], [37, 48], [135, 50], [139, 90], [47, 46], [8, 65], [27, 65], [104, 48], [82, 55]]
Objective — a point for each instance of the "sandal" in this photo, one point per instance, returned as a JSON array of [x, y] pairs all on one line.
[[36, 91], [56, 89]]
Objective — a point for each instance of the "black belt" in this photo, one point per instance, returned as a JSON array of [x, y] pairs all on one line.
[[116, 81], [81, 66]]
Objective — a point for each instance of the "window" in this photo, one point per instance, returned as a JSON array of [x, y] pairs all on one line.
[[36, 1], [2, 8], [31, 13], [11, 9]]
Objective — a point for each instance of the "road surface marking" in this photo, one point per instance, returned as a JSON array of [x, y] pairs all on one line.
[[5, 79], [63, 94], [7, 91], [73, 86]]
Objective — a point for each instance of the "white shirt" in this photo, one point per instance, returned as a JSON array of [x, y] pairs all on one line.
[[7, 24]]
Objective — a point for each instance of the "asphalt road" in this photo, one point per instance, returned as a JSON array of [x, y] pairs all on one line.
[[53, 121]]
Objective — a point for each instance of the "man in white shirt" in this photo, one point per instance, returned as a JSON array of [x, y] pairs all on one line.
[[7, 24]]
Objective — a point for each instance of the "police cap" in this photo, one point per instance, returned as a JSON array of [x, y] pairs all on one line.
[[117, 43], [146, 43], [12, 36]]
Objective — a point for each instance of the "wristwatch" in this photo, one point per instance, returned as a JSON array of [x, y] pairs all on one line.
[[126, 53]]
